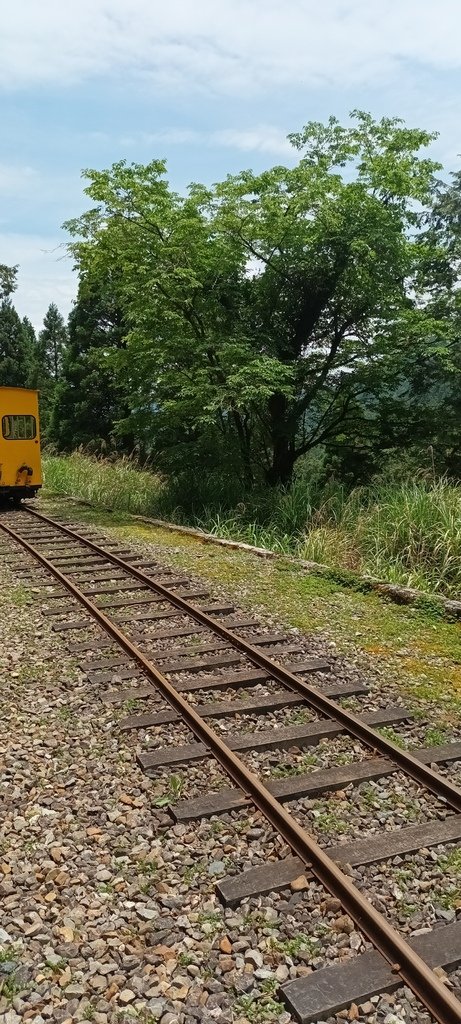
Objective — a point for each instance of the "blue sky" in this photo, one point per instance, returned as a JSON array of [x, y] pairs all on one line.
[[212, 85]]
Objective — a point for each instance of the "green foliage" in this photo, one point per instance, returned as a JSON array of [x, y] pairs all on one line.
[[88, 400], [116, 484], [16, 354], [390, 734], [52, 341], [406, 533], [258, 1009], [300, 943], [260, 311], [7, 281], [175, 785]]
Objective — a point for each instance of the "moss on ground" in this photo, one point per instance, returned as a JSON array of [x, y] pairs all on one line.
[[412, 647]]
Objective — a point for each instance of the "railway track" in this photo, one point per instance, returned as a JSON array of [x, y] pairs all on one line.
[[122, 594]]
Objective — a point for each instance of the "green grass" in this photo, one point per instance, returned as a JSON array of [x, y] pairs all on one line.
[[120, 485], [410, 646], [402, 532]]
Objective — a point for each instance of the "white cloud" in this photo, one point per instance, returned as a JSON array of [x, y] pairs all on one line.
[[228, 46], [262, 138], [45, 274]]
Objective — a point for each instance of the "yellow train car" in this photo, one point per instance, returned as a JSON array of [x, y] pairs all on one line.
[[20, 463]]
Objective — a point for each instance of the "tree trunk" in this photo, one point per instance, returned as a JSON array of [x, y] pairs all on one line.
[[245, 452], [282, 434]]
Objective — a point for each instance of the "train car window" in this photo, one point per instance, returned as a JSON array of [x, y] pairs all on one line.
[[19, 428]]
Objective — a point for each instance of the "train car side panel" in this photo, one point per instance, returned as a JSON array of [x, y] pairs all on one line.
[[20, 463]]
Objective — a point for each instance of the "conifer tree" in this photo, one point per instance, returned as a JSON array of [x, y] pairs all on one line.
[[52, 342], [16, 353]]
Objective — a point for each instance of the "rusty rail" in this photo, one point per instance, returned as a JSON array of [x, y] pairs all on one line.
[[434, 995]]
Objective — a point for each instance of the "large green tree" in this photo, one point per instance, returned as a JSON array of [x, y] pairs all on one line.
[[263, 308]]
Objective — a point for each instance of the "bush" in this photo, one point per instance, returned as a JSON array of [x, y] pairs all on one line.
[[403, 532]]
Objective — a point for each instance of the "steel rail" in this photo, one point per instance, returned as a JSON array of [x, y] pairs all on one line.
[[415, 972], [421, 773]]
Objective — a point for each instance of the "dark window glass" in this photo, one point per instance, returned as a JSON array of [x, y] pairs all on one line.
[[19, 428]]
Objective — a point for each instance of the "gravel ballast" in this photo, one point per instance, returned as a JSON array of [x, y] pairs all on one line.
[[109, 911]]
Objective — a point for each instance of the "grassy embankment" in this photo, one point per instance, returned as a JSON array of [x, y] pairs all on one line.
[[407, 533], [410, 647]]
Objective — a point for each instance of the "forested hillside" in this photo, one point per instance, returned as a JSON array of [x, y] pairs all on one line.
[[264, 341]]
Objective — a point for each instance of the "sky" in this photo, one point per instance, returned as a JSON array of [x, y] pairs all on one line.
[[213, 86]]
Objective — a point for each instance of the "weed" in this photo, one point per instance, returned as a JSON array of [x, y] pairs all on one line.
[[20, 596], [184, 959], [407, 909], [257, 919], [10, 988], [328, 821], [211, 919], [435, 737], [57, 966], [299, 717], [258, 1009], [7, 954], [105, 887], [147, 867], [175, 785], [65, 713], [392, 735], [193, 871], [451, 861], [129, 706], [292, 947]]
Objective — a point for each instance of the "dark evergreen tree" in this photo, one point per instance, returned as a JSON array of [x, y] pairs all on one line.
[[52, 342], [15, 348], [89, 398], [16, 352]]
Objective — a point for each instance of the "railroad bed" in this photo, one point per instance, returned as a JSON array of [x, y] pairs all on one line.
[[205, 684]]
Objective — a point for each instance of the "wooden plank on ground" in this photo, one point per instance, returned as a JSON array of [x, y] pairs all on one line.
[[132, 672], [162, 634], [227, 680], [169, 613], [195, 664], [149, 597], [98, 643], [277, 875], [213, 645], [245, 678], [241, 622], [272, 739], [63, 627], [106, 663], [270, 877], [314, 783], [165, 634], [319, 995], [212, 609], [215, 709], [127, 584], [105, 567]]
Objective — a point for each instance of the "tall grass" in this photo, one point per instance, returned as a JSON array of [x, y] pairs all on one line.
[[403, 532], [119, 485], [412, 533]]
